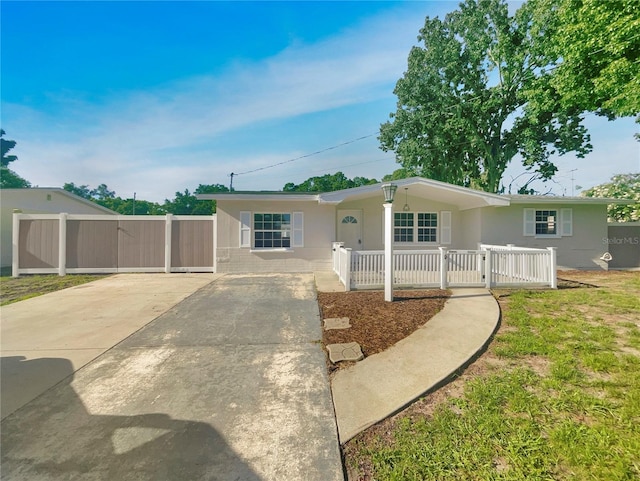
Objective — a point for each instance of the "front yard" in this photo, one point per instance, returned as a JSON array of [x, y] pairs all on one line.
[[556, 396]]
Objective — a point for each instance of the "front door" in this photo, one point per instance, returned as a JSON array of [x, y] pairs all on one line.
[[350, 228]]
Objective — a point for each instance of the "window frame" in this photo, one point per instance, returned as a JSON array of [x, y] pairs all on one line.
[[563, 222], [412, 228], [294, 228]]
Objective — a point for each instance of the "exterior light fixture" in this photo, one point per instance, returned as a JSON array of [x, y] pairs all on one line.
[[406, 207], [389, 191]]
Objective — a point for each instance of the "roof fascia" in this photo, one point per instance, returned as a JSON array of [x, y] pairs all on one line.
[[543, 199], [260, 197]]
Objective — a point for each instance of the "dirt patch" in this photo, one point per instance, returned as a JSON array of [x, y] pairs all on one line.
[[376, 324]]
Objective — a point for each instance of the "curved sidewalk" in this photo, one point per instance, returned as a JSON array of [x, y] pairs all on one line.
[[385, 383]]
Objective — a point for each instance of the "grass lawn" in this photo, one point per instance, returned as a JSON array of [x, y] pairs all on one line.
[[555, 396], [14, 289]]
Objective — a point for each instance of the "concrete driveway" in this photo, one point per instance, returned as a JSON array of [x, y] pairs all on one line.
[[229, 384]]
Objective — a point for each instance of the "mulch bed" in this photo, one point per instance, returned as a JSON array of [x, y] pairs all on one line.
[[376, 324]]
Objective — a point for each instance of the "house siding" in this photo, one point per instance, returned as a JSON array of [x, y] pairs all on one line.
[[373, 220], [315, 255], [582, 250]]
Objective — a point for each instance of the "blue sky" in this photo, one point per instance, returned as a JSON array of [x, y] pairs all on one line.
[[155, 97]]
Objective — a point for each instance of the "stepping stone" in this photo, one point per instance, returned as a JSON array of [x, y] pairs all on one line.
[[349, 351], [336, 323]]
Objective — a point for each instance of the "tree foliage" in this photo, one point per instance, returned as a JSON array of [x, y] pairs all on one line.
[[8, 178], [475, 95], [596, 47], [622, 186], [328, 183]]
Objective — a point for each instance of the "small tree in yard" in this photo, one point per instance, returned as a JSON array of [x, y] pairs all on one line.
[[622, 186]]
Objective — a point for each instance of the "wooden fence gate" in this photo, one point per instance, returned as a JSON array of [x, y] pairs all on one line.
[[65, 243]]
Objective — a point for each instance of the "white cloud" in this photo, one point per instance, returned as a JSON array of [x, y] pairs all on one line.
[[155, 137]]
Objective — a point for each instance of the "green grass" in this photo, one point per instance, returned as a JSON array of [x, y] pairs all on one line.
[[564, 403], [24, 287]]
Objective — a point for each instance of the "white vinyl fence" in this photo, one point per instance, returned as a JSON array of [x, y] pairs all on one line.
[[489, 266]]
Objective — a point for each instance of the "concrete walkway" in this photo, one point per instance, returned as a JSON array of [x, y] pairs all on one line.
[[229, 384], [385, 383]]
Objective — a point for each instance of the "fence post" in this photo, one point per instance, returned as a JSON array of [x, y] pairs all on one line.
[[15, 243], [553, 279], [167, 243], [443, 267], [347, 274], [487, 268], [62, 245]]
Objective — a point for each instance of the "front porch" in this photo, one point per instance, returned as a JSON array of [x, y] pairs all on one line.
[[488, 266]]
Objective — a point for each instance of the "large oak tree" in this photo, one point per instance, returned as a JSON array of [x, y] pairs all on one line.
[[476, 94]]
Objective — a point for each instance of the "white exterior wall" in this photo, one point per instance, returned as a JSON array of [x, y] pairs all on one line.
[[36, 201], [373, 220], [582, 250], [316, 255]]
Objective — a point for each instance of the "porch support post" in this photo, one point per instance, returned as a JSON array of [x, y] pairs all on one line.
[[443, 267], [388, 251], [553, 272], [62, 245]]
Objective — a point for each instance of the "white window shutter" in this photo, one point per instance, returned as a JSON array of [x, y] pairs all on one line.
[[529, 222], [566, 222], [298, 229], [445, 227], [245, 229]]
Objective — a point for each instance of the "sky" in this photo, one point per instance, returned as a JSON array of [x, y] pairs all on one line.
[[156, 97]]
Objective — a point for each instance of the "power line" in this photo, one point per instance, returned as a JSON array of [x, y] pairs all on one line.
[[306, 155]]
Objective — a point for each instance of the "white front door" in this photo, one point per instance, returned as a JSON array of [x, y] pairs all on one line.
[[350, 228]]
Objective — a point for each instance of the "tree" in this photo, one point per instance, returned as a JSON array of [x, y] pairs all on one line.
[[83, 191], [596, 47], [187, 204], [8, 178], [328, 183], [622, 186], [476, 94]]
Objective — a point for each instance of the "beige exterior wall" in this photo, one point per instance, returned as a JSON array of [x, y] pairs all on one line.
[[319, 233], [373, 220], [582, 250], [35, 201]]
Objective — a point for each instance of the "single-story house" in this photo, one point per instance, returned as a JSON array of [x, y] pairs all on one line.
[[39, 200], [288, 232]]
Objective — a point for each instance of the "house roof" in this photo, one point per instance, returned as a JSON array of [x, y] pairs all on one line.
[[62, 192], [463, 197]]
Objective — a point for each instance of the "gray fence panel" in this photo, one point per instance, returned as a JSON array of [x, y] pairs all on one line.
[[92, 244], [191, 243], [624, 245], [38, 243], [141, 243]]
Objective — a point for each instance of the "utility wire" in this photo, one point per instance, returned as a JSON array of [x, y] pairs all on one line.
[[307, 155]]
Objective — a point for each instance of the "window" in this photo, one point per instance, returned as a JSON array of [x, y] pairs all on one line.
[[349, 220], [547, 222], [403, 227], [415, 227], [272, 230]]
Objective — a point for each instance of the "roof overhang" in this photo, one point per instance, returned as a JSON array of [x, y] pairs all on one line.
[[461, 197], [261, 196], [544, 199]]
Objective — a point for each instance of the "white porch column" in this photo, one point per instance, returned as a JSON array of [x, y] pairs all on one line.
[[388, 251]]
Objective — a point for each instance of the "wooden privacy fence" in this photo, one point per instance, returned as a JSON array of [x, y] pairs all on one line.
[[489, 266], [66, 243]]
